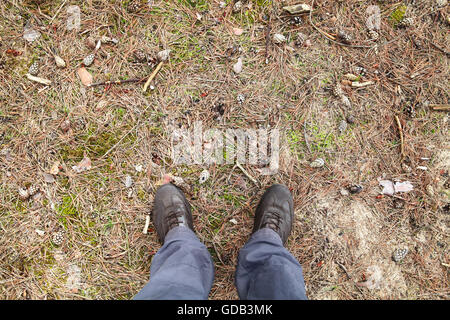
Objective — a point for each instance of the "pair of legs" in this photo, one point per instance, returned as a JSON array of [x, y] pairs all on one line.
[[183, 268]]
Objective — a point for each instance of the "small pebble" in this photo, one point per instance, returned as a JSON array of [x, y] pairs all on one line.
[[346, 101], [90, 43], [49, 178]]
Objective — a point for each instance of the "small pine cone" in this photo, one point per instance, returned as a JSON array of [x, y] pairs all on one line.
[[373, 35], [355, 189], [301, 38], [410, 110], [134, 6], [342, 126], [399, 254], [350, 119], [360, 71], [296, 20], [240, 98], [140, 56], [344, 37], [441, 3], [23, 194], [398, 203], [406, 168], [407, 22], [446, 208], [65, 126], [346, 101], [337, 90], [34, 69], [32, 190], [89, 59], [237, 6], [58, 238]]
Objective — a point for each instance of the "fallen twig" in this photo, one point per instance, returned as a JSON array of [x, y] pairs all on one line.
[[38, 79], [147, 223], [440, 107], [357, 84], [57, 12], [306, 137], [332, 38], [153, 75], [440, 49], [115, 82], [247, 174], [267, 42], [402, 144]]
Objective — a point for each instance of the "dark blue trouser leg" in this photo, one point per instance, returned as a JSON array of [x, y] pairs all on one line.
[[266, 270], [181, 269]]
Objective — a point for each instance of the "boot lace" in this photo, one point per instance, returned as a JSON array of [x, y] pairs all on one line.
[[174, 218], [272, 220]]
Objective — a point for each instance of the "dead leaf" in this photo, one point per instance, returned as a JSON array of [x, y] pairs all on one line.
[[238, 31], [388, 187], [49, 178], [405, 186], [85, 76], [101, 105], [84, 165]]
